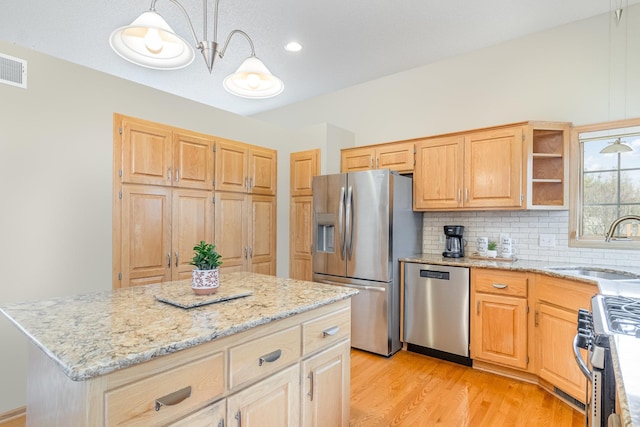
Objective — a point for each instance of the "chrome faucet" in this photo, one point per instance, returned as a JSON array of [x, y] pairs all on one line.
[[614, 224]]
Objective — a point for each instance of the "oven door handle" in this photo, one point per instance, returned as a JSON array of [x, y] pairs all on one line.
[[581, 364]]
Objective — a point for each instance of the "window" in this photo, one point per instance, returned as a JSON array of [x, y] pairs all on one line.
[[608, 185]]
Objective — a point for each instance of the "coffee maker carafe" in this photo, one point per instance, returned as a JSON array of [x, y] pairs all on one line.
[[454, 243]]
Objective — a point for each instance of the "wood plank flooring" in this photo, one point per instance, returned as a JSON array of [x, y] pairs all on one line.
[[410, 389]]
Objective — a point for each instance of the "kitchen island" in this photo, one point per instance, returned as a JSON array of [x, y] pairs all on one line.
[[123, 357]]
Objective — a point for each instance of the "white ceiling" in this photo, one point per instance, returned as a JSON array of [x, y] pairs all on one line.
[[346, 42]]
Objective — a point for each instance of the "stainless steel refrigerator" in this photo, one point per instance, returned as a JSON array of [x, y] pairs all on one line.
[[362, 223]]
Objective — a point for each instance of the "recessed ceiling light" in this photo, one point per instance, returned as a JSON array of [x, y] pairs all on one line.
[[293, 47]]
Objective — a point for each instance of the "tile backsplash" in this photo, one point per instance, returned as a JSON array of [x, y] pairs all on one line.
[[525, 227]]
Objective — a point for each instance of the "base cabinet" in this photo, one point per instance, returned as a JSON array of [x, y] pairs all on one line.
[[499, 323], [325, 395]]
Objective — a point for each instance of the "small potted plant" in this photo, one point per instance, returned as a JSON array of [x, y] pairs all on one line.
[[205, 278], [492, 249]]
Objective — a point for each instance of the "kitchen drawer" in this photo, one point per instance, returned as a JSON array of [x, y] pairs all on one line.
[[325, 330], [569, 294], [263, 356], [211, 416], [501, 282], [136, 403]]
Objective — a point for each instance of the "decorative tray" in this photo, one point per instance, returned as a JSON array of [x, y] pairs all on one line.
[[476, 255], [183, 296]]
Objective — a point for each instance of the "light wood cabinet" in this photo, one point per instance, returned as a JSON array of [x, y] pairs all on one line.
[[245, 230], [245, 168], [304, 166], [272, 402], [160, 226], [519, 166], [547, 163], [556, 319], [157, 155], [499, 317], [478, 170], [325, 395], [163, 180], [396, 156], [213, 415]]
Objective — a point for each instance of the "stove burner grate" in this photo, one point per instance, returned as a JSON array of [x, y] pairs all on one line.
[[623, 315]]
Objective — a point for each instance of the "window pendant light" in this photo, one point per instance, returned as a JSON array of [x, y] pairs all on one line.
[[616, 147]]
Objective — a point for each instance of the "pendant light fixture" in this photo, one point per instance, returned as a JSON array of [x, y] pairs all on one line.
[[150, 42], [616, 147]]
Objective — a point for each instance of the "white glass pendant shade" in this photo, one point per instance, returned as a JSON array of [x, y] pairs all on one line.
[[150, 42], [253, 80], [616, 147]]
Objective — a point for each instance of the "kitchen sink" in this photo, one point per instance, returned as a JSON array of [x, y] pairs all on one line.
[[597, 273]]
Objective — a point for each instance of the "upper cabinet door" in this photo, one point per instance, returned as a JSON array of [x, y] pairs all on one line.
[[231, 166], [357, 159], [397, 157], [146, 153], [494, 168], [438, 177], [192, 161], [262, 171], [304, 165]]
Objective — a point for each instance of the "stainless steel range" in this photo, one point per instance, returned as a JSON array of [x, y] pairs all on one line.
[[611, 314]]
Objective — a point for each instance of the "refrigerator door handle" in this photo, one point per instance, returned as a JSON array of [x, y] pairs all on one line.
[[354, 286], [349, 222], [343, 248]]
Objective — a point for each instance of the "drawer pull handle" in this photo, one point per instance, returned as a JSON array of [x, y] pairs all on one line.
[[271, 357], [331, 331], [500, 286], [174, 398]]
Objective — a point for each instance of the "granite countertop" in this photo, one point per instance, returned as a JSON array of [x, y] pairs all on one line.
[[625, 349], [93, 334]]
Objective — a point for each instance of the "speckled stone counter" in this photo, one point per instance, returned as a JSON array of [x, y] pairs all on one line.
[[94, 334], [625, 349]]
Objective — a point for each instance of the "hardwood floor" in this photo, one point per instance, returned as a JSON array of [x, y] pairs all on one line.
[[410, 389]]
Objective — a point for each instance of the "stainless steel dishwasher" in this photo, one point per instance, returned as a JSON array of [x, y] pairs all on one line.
[[436, 311]]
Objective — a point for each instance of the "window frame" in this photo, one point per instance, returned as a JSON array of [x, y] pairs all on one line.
[[575, 198]]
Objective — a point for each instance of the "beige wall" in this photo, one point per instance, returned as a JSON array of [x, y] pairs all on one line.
[[562, 75], [55, 174]]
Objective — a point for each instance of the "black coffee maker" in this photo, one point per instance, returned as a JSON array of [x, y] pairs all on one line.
[[454, 243]]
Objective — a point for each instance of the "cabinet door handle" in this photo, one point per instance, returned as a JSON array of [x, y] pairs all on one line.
[[169, 174], [478, 308], [331, 331], [377, 162], [310, 394], [250, 251], [466, 194], [246, 183], [177, 175], [174, 398], [500, 286], [176, 259], [271, 357], [536, 318], [459, 195], [221, 422], [169, 259], [239, 418], [245, 253]]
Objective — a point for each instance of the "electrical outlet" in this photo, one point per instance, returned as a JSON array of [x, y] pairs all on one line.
[[547, 240]]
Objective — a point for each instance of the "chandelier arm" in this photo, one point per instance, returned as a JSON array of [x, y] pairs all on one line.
[[226, 44], [186, 16]]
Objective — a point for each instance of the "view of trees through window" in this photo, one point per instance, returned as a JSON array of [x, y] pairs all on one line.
[[610, 186]]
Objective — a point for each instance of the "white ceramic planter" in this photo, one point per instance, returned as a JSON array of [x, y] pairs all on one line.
[[205, 282], [492, 254]]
